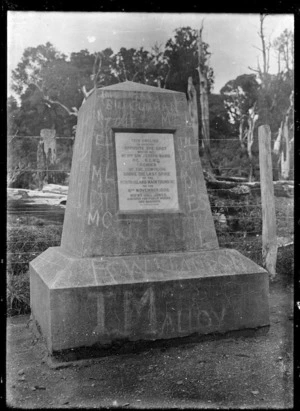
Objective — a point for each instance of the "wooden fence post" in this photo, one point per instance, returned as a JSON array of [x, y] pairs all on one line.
[[269, 238]]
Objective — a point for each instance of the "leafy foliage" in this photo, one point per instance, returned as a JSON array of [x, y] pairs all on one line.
[[219, 124], [25, 242], [51, 86], [13, 114], [240, 95], [29, 68], [21, 159], [182, 56]]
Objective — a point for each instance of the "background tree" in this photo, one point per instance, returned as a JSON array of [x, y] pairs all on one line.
[[275, 89], [103, 75], [136, 65], [240, 95], [184, 61], [42, 70], [219, 119], [29, 68], [284, 103], [264, 98], [12, 116], [275, 102], [181, 53], [52, 88]]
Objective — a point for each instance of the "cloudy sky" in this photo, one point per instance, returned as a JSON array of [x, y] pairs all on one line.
[[232, 38]]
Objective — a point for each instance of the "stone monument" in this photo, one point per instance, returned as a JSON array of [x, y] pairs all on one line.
[[139, 256]]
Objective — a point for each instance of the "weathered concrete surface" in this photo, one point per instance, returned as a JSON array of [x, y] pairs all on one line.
[[153, 296], [227, 373], [128, 273], [93, 224]]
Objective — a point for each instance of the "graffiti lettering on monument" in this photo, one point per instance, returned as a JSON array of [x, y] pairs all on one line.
[[159, 314]]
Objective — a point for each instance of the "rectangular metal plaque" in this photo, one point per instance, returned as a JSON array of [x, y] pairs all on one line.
[[146, 171]]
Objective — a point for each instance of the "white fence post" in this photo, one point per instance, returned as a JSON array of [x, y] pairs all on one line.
[[269, 237]]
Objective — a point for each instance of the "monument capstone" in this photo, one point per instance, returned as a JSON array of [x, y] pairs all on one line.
[[139, 256]]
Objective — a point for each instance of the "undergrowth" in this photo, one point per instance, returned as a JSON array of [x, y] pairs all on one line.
[[24, 243]]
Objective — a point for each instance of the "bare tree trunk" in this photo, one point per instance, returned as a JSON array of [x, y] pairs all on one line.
[[250, 137], [204, 111], [262, 17], [203, 87], [124, 67], [242, 133], [285, 153], [265, 50], [41, 162], [269, 238], [246, 136], [192, 107], [203, 96], [48, 136], [46, 155], [283, 143], [167, 77], [97, 68]]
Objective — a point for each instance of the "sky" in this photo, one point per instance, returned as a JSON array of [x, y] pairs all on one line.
[[233, 38]]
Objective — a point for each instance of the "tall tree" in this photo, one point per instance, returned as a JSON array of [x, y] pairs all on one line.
[[13, 111], [135, 65], [219, 120], [284, 102], [184, 61], [241, 97], [275, 98], [203, 96], [29, 68], [42, 70], [52, 88], [284, 46], [181, 53]]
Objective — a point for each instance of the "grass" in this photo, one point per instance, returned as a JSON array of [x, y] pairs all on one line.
[[26, 241], [18, 294]]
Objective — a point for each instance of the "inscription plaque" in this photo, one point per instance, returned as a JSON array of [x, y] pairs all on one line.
[[146, 172]]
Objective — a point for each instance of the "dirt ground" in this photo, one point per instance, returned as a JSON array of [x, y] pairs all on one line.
[[235, 372]]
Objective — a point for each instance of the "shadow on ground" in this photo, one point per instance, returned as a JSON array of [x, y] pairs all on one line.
[[249, 372]]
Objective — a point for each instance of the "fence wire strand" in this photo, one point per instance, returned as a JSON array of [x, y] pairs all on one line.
[[245, 212]]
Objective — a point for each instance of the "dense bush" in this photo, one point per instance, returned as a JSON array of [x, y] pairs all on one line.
[[231, 159], [242, 217], [25, 242], [21, 155], [22, 163]]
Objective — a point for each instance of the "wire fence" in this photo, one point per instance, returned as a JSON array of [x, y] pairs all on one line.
[[72, 139], [32, 228], [245, 222]]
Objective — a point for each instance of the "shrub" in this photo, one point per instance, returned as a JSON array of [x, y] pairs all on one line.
[[242, 217], [18, 294], [25, 242], [21, 159]]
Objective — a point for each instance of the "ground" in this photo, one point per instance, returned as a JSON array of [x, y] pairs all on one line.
[[243, 371], [254, 371]]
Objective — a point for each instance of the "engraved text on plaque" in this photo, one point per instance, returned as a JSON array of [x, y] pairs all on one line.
[[146, 171]]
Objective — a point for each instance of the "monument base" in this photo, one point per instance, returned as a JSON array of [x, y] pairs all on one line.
[[81, 302]]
